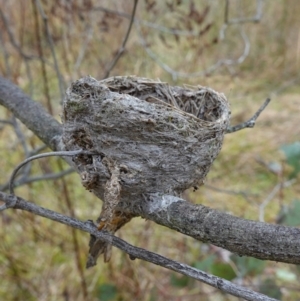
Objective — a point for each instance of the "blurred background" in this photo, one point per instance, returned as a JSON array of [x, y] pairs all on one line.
[[249, 50]]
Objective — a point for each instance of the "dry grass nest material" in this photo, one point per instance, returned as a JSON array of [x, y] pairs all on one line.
[[163, 138]]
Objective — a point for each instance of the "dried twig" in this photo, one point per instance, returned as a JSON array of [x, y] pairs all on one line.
[[256, 18], [122, 48], [51, 154], [70, 205], [175, 74], [46, 177], [135, 252], [251, 122], [41, 54], [12, 39], [5, 53], [172, 31], [271, 195], [244, 194], [222, 62], [52, 48]]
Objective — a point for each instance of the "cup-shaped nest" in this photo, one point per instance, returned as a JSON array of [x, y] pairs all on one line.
[[163, 138]]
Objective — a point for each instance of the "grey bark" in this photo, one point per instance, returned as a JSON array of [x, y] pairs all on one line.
[[31, 113], [134, 252], [244, 237]]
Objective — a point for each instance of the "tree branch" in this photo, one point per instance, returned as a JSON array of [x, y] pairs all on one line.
[[52, 154], [31, 113], [240, 236], [251, 122], [135, 252], [45, 177], [52, 48], [244, 237], [122, 48]]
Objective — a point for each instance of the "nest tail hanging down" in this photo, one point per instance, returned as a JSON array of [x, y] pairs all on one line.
[[149, 138]]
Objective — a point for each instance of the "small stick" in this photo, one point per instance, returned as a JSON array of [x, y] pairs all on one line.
[[60, 153], [251, 122], [122, 48]]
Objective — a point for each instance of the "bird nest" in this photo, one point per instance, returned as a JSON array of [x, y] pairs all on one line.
[[162, 139]]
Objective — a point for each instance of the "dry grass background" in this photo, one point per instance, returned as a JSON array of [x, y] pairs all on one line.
[[42, 260]]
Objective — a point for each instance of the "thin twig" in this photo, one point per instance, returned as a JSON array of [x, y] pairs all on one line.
[[12, 39], [122, 48], [46, 177], [244, 194], [271, 195], [66, 197], [51, 154], [167, 30], [5, 56], [175, 74], [135, 252], [255, 19], [41, 54], [251, 122], [23, 142], [52, 48]]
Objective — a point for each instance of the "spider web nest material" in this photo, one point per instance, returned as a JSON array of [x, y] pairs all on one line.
[[156, 138], [163, 138]]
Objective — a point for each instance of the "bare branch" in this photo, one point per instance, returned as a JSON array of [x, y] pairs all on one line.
[[222, 62], [240, 236], [251, 122], [12, 39], [84, 47], [36, 118], [122, 48], [167, 30], [175, 74], [256, 18], [244, 194], [5, 56], [52, 48], [135, 252], [52, 154], [41, 54], [271, 195], [46, 177]]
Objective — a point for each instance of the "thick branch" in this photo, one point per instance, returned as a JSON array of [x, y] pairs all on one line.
[[244, 237], [135, 252], [31, 113]]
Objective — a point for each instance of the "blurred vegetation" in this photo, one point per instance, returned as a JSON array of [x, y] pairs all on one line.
[[255, 175]]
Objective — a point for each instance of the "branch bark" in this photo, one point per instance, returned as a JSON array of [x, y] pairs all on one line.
[[135, 252], [31, 113], [244, 237]]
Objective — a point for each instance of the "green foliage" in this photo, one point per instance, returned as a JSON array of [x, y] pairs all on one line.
[[107, 292], [292, 153]]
